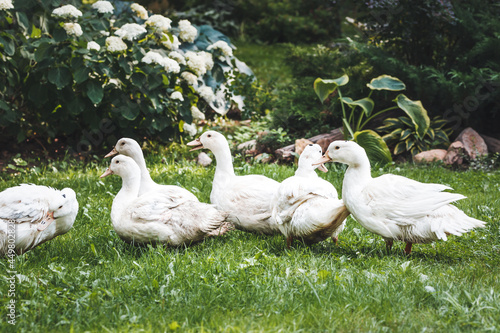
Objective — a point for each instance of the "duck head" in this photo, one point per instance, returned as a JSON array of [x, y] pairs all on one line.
[[209, 140], [347, 152], [309, 156], [122, 166], [125, 146]]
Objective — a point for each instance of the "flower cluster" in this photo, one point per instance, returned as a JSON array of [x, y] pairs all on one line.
[[190, 78], [73, 29], [67, 11], [140, 11], [207, 94], [171, 45], [115, 44], [103, 7], [187, 32], [159, 22], [223, 47], [130, 31], [6, 4], [177, 95], [93, 46], [199, 62], [170, 65], [177, 57]]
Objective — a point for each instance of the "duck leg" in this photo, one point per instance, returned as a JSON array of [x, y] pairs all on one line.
[[388, 244], [335, 239], [408, 247], [289, 241]]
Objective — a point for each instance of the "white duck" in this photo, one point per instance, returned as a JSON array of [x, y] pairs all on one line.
[[247, 198], [307, 206], [131, 148], [395, 207], [157, 217], [31, 214]]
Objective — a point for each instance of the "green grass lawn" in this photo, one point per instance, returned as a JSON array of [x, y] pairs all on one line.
[[90, 280]]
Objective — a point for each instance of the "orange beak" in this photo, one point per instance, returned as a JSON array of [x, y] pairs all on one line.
[[196, 143], [106, 173], [111, 153], [322, 160], [47, 220], [323, 168]]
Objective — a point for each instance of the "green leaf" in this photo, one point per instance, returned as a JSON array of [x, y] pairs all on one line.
[[8, 45], [23, 21], [60, 76], [43, 51], [374, 145], [386, 82], [441, 136], [405, 134], [409, 143], [431, 134], [95, 92], [130, 111], [416, 112], [348, 127], [81, 74], [400, 148], [366, 104], [323, 88]]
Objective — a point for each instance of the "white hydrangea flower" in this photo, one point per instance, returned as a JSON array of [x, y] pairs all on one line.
[[93, 46], [206, 93], [207, 58], [197, 114], [67, 11], [171, 45], [171, 66], [187, 32], [189, 129], [103, 7], [104, 33], [223, 46], [130, 31], [177, 57], [152, 57], [190, 78], [115, 44], [159, 22], [140, 11], [199, 62], [73, 29], [6, 4], [177, 95]]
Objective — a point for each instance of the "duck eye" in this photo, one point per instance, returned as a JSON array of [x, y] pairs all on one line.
[[64, 195], [310, 144], [117, 162], [209, 135], [123, 143], [320, 151], [337, 147], [60, 207]]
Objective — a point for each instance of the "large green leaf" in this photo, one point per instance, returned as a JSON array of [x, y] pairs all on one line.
[[374, 145], [323, 88], [386, 82], [95, 92], [366, 104], [416, 112], [60, 76]]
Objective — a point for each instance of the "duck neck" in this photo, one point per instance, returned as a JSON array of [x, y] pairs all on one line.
[[129, 191], [358, 174], [138, 157], [224, 161], [305, 172]]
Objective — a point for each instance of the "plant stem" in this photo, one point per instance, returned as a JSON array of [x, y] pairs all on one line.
[[343, 111], [376, 114]]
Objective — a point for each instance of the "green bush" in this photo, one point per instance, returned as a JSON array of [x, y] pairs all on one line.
[[69, 76]]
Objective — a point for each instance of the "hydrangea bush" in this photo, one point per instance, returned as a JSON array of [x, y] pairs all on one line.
[[87, 74]]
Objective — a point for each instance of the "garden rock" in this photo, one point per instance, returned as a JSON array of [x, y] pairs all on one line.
[[286, 153], [455, 153], [264, 158], [249, 147], [204, 159], [430, 156], [492, 143], [301, 144], [474, 144]]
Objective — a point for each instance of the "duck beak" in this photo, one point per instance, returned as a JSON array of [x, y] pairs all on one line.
[[322, 167], [111, 153], [106, 173], [47, 220], [322, 160], [196, 143]]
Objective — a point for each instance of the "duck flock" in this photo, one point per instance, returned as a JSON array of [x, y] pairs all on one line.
[[303, 206]]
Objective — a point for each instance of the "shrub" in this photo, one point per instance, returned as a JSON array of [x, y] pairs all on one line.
[[82, 75]]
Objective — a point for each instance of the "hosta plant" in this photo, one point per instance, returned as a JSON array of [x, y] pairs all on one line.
[[356, 114], [403, 135]]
